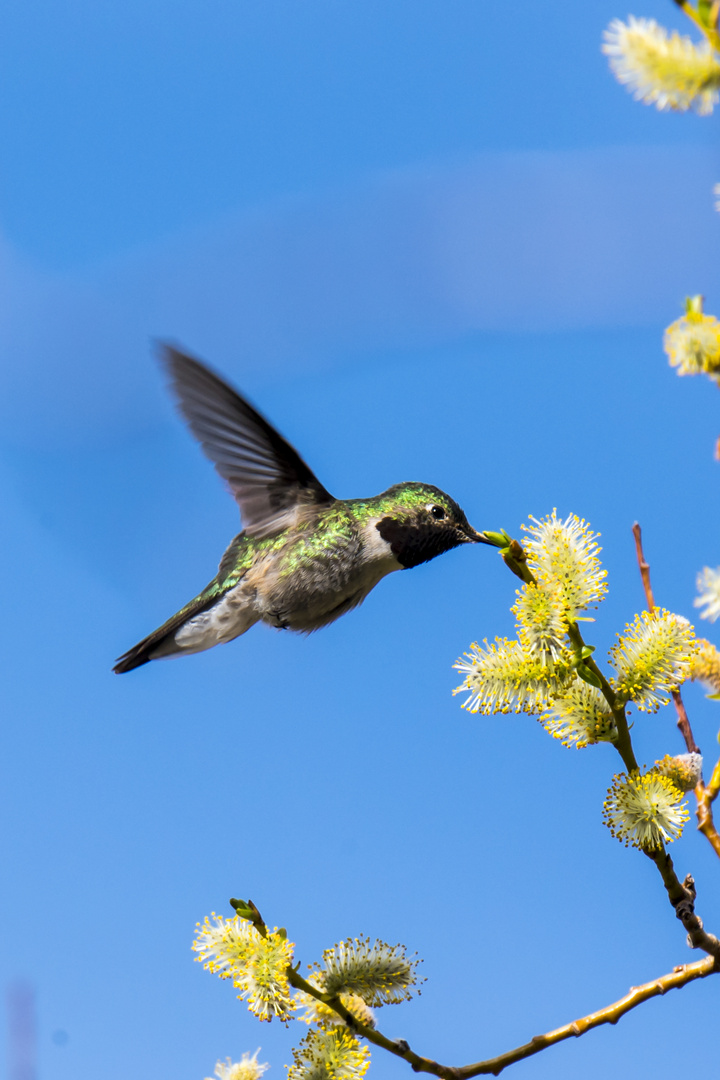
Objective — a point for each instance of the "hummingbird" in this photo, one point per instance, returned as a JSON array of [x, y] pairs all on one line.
[[304, 558]]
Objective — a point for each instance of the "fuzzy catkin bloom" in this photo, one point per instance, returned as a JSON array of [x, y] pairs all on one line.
[[692, 344], [235, 949], [541, 622], [248, 1068], [580, 716], [652, 658], [685, 770], [263, 983], [504, 677], [378, 973], [333, 1054], [563, 556], [644, 811], [661, 69], [226, 946], [705, 666], [708, 587]]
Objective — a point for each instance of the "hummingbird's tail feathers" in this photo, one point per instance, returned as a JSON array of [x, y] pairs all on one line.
[[161, 642]]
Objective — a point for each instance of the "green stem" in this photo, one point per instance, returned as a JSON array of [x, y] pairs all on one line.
[[623, 743], [710, 33]]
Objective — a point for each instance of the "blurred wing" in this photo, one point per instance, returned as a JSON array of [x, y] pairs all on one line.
[[268, 479]]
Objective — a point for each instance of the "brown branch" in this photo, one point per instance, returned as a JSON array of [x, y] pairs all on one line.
[[644, 567], [683, 722], [682, 897], [674, 980], [706, 795], [679, 977]]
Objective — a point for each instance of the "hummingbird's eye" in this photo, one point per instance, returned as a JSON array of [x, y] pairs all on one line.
[[438, 512]]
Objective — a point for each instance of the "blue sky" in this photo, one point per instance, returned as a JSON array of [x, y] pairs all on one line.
[[432, 241]]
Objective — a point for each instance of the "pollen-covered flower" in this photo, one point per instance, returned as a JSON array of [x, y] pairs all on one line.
[[317, 1012], [541, 622], [644, 811], [708, 587], [652, 658], [661, 69], [235, 949], [685, 770], [329, 1054], [263, 983], [705, 666], [563, 556], [580, 716], [380, 974], [225, 947], [692, 343], [248, 1068], [504, 677]]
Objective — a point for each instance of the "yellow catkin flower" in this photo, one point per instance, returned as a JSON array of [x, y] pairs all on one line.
[[263, 983], [661, 69], [685, 770], [708, 587], [235, 949], [580, 716], [329, 1054], [504, 677], [226, 946], [692, 344], [248, 1068], [705, 666], [541, 622], [379, 973], [653, 658], [563, 556], [644, 811]]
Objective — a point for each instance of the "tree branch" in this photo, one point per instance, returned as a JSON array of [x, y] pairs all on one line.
[[706, 796], [674, 980], [679, 894], [677, 978], [683, 721]]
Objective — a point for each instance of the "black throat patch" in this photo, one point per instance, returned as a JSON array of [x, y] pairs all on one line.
[[412, 544]]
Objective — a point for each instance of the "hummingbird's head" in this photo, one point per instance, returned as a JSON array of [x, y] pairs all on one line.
[[420, 521]]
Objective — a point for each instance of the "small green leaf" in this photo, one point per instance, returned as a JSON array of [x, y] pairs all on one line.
[[588, 676], [587, 650], [245, 909], [704, 9], [498, 539]]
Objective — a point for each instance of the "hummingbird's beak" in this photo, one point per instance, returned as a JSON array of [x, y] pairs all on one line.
[[475, 537]]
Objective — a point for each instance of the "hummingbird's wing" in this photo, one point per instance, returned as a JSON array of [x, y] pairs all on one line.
[[268, 479]]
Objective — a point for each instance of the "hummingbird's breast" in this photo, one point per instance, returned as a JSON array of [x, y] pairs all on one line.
[[320, 573]]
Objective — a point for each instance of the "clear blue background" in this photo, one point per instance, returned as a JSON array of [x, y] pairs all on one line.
[[433, 240]]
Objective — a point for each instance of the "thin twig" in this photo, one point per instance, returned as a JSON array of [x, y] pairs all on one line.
[[676, 979], [644, 567], [683, 722], [706, 795]]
